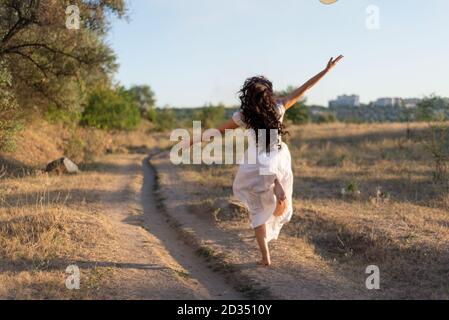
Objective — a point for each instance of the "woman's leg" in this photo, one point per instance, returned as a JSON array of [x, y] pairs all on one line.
[[280, 208], [280, 199], [261, 237]]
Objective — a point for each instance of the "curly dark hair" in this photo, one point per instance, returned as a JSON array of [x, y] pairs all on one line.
[[258, 107]]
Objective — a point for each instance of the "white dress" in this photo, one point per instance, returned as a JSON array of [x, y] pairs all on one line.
[[254, 182]]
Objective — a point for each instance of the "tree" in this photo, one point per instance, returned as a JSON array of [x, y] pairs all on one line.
[[50, 64], [9, 123], [145, 99], [325, 117], [165, 119], [111, 109], [299, 113], [425, 109], [210, 116]]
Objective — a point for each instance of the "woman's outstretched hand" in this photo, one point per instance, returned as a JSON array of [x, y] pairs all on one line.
[[290, 99], [332, 62]]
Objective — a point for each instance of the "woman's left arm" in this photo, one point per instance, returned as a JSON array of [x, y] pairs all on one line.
[[290, 100], [228, 125]]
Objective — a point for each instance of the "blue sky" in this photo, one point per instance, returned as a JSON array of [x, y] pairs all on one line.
[[192, 52]]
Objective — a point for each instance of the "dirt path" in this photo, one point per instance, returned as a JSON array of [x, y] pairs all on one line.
[[151, 261], [297, 272]]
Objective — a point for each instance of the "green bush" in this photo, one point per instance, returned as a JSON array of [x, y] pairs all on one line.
[[145, 99], [425, 109], [8, 131], [299, 113], [325, 117], [151, 115], [109, 109], [432, 108], [210, 116], [56, 115], [165, 119]]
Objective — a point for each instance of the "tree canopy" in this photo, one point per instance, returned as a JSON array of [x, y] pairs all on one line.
[[299, 113], [50, 63]]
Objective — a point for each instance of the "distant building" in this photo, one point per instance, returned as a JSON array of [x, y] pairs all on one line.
[[410, 102], [345, 101], [387, 102]]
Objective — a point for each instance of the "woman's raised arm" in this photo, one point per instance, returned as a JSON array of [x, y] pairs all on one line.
[[290, 100]]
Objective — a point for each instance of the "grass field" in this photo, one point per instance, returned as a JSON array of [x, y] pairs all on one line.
[[48, 222], [363, 195], [390, 214]]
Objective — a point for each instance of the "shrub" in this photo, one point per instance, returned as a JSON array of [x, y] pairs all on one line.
[[424, 110], [9, 112], [56, 115], [85, 145], [298, 114], [436, 142], [326, 117], [151, 115], [109, 109], [432, 108], [165, 119], [210, 116], [145, 99], [74, 147], [95, 144]]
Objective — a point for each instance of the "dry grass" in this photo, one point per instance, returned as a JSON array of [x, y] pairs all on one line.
[[42, 142], [46, 225], [399, 221], [50, 222]]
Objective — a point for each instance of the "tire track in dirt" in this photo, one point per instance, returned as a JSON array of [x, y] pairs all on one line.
[[210, 284], [216, 246], [145, 258]]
